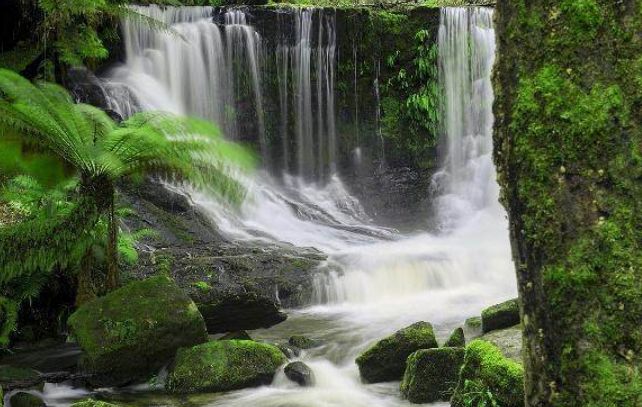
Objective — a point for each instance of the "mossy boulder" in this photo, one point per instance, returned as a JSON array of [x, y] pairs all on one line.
[[26, 399], [431, 374], [224, 365], [132, 332], [12, 377], [509, 341], [500, 316], [93, 403], [456, 339], [386, 360], [486, 371]]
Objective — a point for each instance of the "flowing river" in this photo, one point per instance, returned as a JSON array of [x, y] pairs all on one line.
[[383, 279]]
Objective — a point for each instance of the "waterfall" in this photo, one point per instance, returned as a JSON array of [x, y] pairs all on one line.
[[466, 54], [472, 246], [213, 66]]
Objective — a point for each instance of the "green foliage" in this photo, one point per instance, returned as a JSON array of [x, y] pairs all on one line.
[[487, 378], [412, 124]]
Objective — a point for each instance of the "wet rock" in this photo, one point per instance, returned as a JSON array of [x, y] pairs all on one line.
[[300, 373], [132, 332], [473, 326], [431, 374], [223, 365], [239, 311], [240, 335], [509, 341], [500, 316], [288, 350], [12, 377], [456, 339], [92, 403], [386, 360], [303, 342], [26, 399], [485, 369]]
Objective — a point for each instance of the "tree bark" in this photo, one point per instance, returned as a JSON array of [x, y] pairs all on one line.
[[568, 150], [86, 290], [112, 280]]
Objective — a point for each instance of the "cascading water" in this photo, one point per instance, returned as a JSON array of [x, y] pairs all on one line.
[[382, 280]]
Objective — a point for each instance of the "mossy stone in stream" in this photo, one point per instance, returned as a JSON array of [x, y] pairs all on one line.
[[93, 403], [224, 365], [18, 377], [25, 399], [132, 332], [303, 342], [500, 316], [487, 373], [456, 339], [431, 374], [386, 360]]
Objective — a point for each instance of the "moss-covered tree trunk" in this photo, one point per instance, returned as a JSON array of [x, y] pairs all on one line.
[[568, 148]]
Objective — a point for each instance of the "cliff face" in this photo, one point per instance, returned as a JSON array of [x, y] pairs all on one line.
[[568, 147]]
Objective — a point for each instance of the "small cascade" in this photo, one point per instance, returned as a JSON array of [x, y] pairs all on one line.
[[466, 52]]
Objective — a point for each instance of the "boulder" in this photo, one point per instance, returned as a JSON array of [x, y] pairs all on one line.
[[12, 377], [239, 311], [26, 399], [500, 316], [92, 403], [303, 342], [472, 327], [223, 365], [133, 331], [456, 339], [241, 335], [431, 374], [386, 360], [487, 372], [300, 373], [288, 350], [509, 341]]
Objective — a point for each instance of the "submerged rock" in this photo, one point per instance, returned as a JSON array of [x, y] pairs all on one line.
[[431, 374], [92, 403], [132, 332], [300, 373], [303, 342], [223, 365], [239, 311], [509, 341], [241, 335], [486, 371], [456, 339], [26, 399], [500, 316], [386, 360]]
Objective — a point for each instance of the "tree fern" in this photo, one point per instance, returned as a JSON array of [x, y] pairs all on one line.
[[101, 152]]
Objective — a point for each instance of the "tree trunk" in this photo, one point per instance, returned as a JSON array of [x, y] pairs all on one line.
[[86, 290], [113, 276], [568, 148]]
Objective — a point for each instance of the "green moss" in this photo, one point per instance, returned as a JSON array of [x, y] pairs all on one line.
[[487, 374], [500, 316], [473, 322], [386, 359], [10, 374], [303, 342], [456, 339], [224, 365], [431, 374], [569, 141], [133, 330]]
